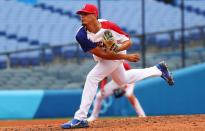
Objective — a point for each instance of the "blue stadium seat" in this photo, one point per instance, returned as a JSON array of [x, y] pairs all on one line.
[[3, 62], [22, 39], [189, 8], [14, 61], [69, 52], [151, 39], [34, 58], [197, 11], [2, 33], [57, 51], [11, 36], [195, 35], [34, 42], [47, 56]]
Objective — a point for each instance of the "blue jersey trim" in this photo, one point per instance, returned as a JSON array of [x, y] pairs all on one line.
[[83, 40]]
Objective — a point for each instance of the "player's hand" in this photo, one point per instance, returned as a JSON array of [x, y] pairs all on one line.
[[133, 57]]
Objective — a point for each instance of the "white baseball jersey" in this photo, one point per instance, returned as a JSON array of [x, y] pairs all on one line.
[[89, 40]]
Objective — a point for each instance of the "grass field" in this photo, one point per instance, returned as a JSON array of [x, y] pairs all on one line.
[[154, 123]]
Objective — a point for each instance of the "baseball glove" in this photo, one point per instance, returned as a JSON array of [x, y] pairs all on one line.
[[109, 41], [118, 92]]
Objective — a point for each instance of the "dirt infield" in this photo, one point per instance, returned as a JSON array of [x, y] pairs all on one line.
[[157, 123]]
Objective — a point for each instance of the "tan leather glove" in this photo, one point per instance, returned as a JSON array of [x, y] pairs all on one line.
[[109, 41]]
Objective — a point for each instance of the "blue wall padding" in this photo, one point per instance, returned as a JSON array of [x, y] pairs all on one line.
[[19, 104], [59, 103]]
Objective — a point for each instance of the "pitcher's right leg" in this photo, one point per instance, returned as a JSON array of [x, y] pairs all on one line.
[[103, 69], [108, 91]]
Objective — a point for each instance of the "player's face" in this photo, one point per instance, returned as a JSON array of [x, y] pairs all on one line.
[[86, 18]]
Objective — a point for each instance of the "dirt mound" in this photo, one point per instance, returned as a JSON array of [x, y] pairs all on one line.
[[157, 123]]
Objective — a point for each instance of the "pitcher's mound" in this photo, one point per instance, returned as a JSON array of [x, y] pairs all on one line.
[[156, 123]]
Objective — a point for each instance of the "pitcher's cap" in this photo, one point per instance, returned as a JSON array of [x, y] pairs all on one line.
[[88, 8]]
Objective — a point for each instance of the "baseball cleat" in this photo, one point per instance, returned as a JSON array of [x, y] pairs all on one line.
[[91, 119], [74, 123], [166, 75]]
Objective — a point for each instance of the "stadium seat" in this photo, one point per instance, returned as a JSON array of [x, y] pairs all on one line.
[[3, 62]]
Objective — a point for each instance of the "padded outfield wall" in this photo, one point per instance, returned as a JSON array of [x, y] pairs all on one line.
[[186, 97]]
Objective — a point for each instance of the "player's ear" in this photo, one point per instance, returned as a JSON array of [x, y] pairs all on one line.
[[96, 16]]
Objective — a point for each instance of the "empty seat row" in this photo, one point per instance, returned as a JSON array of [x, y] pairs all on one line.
[[49, 77]]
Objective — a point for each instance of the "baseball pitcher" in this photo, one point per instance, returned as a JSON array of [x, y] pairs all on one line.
[[108, 44]]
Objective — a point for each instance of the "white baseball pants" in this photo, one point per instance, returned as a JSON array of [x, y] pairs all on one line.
[[104, 68], [134, 75]]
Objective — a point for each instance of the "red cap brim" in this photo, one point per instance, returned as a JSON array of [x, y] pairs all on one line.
[[83, 11]]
